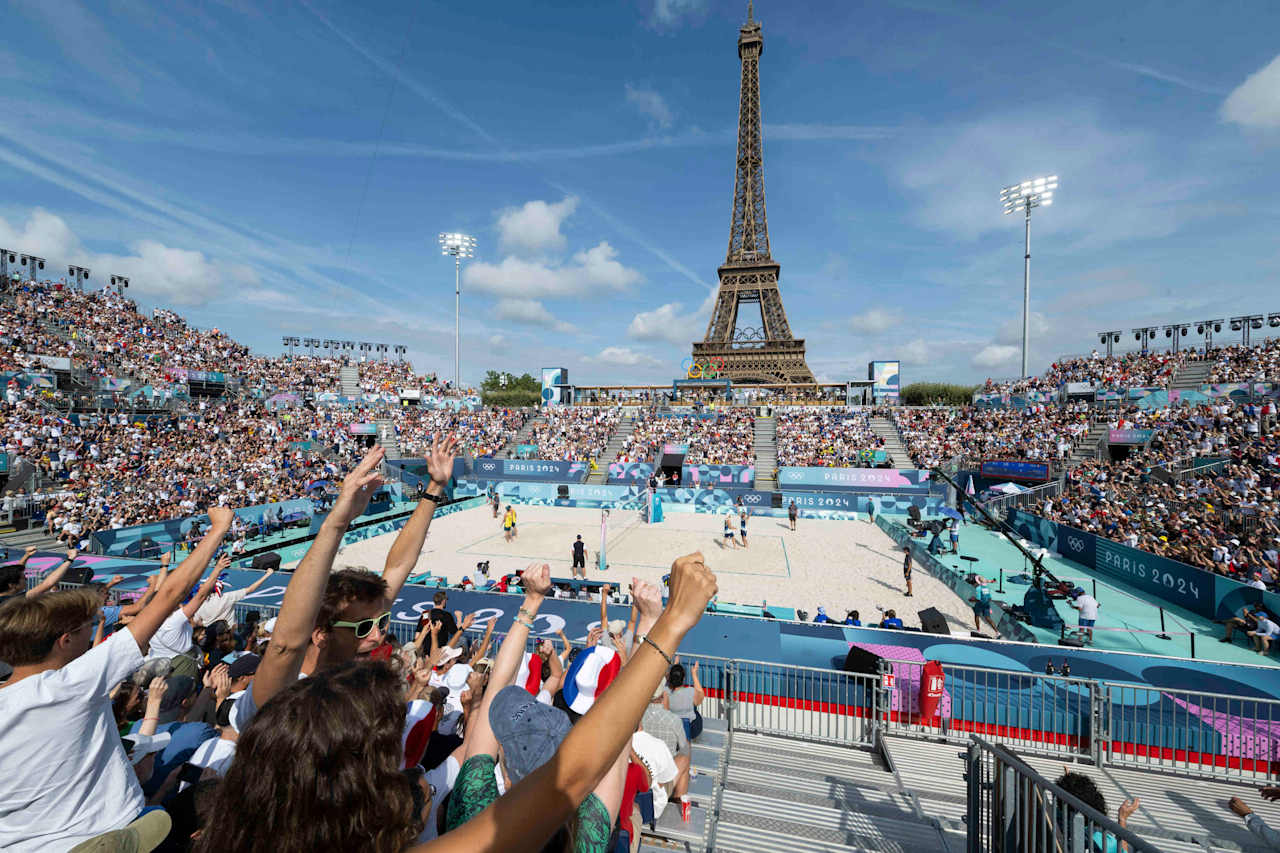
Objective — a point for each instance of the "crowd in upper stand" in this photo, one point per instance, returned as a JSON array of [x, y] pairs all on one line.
[[721, 437], [823, 438], [1247, 364], [573, 433], [1043, 432]]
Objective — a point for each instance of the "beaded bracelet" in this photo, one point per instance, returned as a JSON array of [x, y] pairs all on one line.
[[644, 638]]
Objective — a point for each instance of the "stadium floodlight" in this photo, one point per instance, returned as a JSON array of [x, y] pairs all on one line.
[[7, 256], [290, 343], [1273, 320], [400, 350], [1176, 331], [1036, 192], [33, 265], [460, 246], [1109, 338], [1145, 335], [79, 275], [120, 283], [382, 349], [311, 344], [1246, 323]]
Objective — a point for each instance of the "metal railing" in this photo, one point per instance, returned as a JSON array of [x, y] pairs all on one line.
[[1013, 809], [1191, 733], [1044, 491]]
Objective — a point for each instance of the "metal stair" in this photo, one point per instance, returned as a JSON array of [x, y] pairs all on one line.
[[626, 425], [1191, 375], [387, 438], [349, 380], [521, 436], [780, 793], [893, 446], [1087, 447], [766, 448]]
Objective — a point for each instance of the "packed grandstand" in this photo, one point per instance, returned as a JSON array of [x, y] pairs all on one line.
[[220, 734]]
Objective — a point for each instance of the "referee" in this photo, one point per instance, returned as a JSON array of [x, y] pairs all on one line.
[[906, 568], [579, 557]]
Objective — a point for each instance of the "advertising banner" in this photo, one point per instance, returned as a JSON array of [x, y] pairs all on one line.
[[4, 462], [552, 377], [362, 429], [908, 481], [52, 362], [543, 470], [1103, 395], [1078, 389], [1129, 436], [886, 379], [1162, 578], [1142, 391], [718, 475], [675, 449], [630, 472], [845, 501], [1015, 469]]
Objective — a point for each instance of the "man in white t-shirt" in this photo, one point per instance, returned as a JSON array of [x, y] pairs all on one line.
[[64, 774], [1264, 634], [1088, 607], [221, 604], [173, 637]]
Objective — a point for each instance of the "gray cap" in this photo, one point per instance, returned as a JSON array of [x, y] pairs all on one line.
[[528, 731]]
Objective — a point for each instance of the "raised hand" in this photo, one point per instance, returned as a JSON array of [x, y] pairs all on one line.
[[165, 558], [1127, 808], [647, 598], [537, 580], [692, 586], [220, 517], [224, 563], [440, 459], [594, 635], [155, 694], [222, 682], [358, 488], [73, 553], [468, 621], [29, 552]]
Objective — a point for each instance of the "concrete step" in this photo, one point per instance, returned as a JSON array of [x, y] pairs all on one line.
[[758, 824]]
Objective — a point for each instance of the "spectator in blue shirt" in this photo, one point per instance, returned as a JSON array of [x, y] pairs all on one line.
[[890, 620], [851, 618]]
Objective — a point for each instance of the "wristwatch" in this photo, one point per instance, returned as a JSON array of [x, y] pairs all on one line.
[[435, 499]]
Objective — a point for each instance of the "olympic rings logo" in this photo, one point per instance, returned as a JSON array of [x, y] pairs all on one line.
[[1075, 543], [712, 368], [752, 499]]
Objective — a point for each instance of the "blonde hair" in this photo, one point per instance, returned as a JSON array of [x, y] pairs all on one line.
[[30, 627]]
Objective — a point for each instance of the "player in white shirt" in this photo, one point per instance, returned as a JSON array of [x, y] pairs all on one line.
[[64, 774]]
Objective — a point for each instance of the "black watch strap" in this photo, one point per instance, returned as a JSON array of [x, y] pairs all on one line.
[[435, 499]]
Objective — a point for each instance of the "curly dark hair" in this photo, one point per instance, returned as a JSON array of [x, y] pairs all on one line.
[[346, 586], [318, 768]]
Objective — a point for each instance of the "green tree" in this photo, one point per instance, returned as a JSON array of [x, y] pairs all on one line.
[[927, 393], [522, 390]]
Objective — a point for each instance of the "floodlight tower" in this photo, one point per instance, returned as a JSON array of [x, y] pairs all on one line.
[[1109, 338], [79, 275], [460, 246], [1037, 192]]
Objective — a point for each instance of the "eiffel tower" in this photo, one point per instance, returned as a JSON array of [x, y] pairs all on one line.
[[749, 274]]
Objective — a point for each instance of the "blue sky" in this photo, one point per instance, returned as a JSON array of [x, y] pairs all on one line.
[[284, 168]]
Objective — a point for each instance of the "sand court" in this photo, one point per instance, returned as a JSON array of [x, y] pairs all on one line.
[[840, 565]]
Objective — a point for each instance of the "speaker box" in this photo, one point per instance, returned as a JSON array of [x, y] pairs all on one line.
[[776, 500], [861, 660], [269, 560], [562, 492], [933, 622]]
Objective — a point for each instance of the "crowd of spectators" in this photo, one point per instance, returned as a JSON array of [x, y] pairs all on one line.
[[821, 438], [1126, 370], [1221, 517], [178, 726], [935, 436], [725, 437], [1259, 363], [574, 433]]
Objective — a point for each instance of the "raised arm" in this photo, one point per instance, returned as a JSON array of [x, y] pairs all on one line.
[[180, 580], [51, 580], [698, 693], [302, 597], [253, 587], [404, 552], [206, 588], [537, 583], [485, 642], [135, 608], [533, 808]]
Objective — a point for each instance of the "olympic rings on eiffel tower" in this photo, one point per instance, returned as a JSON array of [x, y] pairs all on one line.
[[712, 368]]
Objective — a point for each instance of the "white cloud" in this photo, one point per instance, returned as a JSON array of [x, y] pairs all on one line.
[[650, 104], [994, 355], [530, 312], [914, 352], [591, 271], [873, 321], [668, 13], [498, 343], [1010, 332], [625, 357], [669, 323], [1256, 101], [534, 228], [172, 275]]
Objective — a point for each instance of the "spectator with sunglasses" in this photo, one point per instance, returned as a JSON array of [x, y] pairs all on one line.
[[328, 619]]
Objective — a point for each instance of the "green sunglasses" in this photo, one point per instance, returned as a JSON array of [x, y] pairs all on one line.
[[365, 626]]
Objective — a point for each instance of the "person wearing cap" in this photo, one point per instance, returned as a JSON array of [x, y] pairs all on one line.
[[328, 618], [1257, 582], [57, 703], [1087, 606]]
